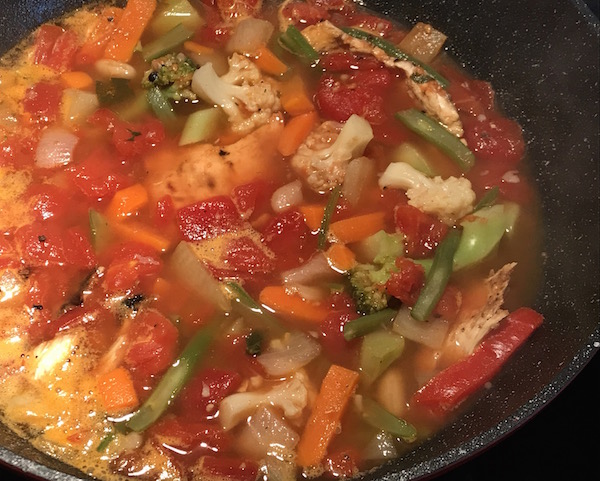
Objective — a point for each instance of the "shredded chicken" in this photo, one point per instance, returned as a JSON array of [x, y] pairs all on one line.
[[471, 327], [199, 171], [436, 102]]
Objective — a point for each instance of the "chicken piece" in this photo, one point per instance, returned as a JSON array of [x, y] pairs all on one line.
[[324, 156], [247, 99], [434, 100], [200, 171], [471, 326]]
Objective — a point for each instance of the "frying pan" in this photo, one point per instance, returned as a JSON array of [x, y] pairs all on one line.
[[542, 58]]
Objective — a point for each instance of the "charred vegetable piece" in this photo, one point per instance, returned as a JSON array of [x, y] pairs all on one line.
[[394, 52], [172, 382], [437, 277], [434, 132]]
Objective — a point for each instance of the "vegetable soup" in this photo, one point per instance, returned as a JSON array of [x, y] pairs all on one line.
[[248, 240]]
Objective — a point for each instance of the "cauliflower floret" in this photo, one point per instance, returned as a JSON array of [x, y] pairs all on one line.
[[290, 396], [449, 199], [247, 99], [324, 156]]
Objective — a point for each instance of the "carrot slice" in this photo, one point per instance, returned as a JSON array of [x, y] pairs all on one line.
[[136, 16], [280, 301], [357, 228], [94, 46], [340, 257], [268, 62], [336, 389], [295, 132], [313, 215], [117, 391], [294, 99], [140, 233], [127, 201], [76, 80]]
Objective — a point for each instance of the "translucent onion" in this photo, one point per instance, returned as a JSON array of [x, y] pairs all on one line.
[[78, 105], [287, 196], [315, 269], [55, 148], [298, 350], [358, 174], [249, 35], [431, 333]]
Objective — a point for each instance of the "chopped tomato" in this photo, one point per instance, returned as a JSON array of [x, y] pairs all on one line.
[[246, 258], [342, 464], [216, 31], [152, 344], [422, 232], [362, 93], [290, 238], [336, 348], [99, 175], [208, 218], [48, 243], [303, 14], [201, 397], [377, 25], [238, 9], [252, 197], [42, 101], [73, 317], [228, 468], [50, 201], [47, 289], [130, 264], [406, 283], [44, 43], [18, 151], [180, 434], [55, 47], [346, 61], [453, 385]]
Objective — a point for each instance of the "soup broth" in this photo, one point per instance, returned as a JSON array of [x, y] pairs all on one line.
[[247, 240]]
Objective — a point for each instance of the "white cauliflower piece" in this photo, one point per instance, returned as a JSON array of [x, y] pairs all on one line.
[[324, 156], [246, 98], [449, 199], [290, 396]]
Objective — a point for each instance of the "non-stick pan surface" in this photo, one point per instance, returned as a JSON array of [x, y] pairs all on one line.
[[542, 58]]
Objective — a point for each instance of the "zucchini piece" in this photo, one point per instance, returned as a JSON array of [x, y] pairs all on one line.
[[200, 126], [174, 12], [168, 42], [378, 351]]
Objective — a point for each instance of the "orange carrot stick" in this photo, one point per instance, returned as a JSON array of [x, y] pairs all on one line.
[[94, 46], [357, 228], [116, 390], [76, 80], [136, 16], [337, 387], [141, 233], [280, 301], [313, 215], [294, 99], [295, 132], [127, 201], [268, 62], [340, 257]]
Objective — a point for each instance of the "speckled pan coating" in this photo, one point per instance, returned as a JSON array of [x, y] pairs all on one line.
[[542, 57]]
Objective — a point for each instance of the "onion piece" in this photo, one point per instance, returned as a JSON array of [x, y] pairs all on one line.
[[249, 35], [78, 105], [190, 269], [315, 269], [430, 333], [287, 196], [55, 148], [358, 173], [297, 351]]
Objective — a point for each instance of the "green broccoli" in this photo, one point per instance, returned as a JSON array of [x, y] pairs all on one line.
[[367, 281], [173, 74]]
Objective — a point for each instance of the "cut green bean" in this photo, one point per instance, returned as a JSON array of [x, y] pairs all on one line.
[[160, 105], [248, 307], [366, 324], [438, 135], [396, 53], [438, 277], [382, 419], [293, 41], [328, 212]]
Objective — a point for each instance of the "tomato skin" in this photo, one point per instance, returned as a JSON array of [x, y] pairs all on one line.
[[343, 463], [130, 264], [288, 236], [246, 258], [181, 434], [55, 47], [230, 468], [201, 396], [335, 346], [303, 14], [252, 197], [153, 344], [42, 100], [422, 232], [44, 42], [99, 175], [208, 218], [378, 25], [347, 61], [49, 201], [406, 283]]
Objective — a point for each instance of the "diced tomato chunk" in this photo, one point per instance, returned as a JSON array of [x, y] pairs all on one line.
[[252, 197], [130, 264], [99, 175], [336, 348], [55, 47], [377, 25], [343, 463], [182, 435], [245, 256], [18, 151], [208, 218], [228, 468], [132, 140], [448, 305], [406, 283], [152, 344], [201, 397], [290, 238], [49, 201], [42, 101], [346, 61], [422, 232], [303, 14], [44, 43]]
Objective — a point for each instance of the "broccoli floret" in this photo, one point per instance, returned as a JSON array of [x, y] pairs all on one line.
[[173, 73], [367, 286]]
